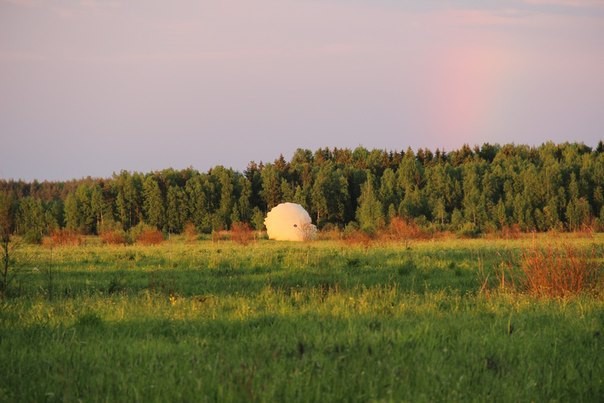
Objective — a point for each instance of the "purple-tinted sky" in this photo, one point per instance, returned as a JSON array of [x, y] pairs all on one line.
[[93, 87]]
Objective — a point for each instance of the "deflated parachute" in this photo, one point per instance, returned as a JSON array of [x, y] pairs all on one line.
[[289, 222]]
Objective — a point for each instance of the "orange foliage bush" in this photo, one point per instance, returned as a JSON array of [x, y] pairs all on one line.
[[62, 237], [241, 233], [586, 231], [190, 232], [403, 230], [220, 235], [150, 236], [330, 233], [358, 237], [511, 231], [559, 272], [113, 237]]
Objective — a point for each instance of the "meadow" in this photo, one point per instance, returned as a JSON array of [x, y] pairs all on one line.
[[277, 321]]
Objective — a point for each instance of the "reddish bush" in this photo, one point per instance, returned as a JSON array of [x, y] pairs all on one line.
[[113, 237], [330, 232], [190, 232], [559, 272], [511, 231], [150, 236], [241, 233], [401, 229], [61, 237], [220, 235], [357, 237], [586, 231]]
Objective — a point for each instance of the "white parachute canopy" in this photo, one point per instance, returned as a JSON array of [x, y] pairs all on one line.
[[289, 222]]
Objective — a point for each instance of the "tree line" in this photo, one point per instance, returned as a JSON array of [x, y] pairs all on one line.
[[470, 190]]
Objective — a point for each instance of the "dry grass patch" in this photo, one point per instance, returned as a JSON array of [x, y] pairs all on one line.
[[559, 271], [357, 237], [241, 233]]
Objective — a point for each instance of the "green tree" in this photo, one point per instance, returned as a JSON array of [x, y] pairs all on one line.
[[128, 199], [577, 214], [389, 191], [370, 213], [72, 219], [31, 220], [288, 190], [501, 214], [8, 207], [55, 210], [243, 204], [8, 211], [271, 186], [86, 216], [329, 194], [198, 203], [153, 203], [439, 211], [225, 188], [473, 199], [176, 212], [97, 206], [410, 173], [257, 219], [551, 214]]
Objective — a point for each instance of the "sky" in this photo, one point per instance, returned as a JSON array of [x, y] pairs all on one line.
[[88, 88]]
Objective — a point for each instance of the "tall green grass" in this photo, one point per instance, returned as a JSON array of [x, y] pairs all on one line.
[[293, 322]]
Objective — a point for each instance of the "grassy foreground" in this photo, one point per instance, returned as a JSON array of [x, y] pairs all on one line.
[[293, 322]]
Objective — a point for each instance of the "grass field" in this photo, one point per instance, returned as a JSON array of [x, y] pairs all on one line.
[[271, 321]]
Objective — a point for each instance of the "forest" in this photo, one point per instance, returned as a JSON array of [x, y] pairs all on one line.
[[470, 191]]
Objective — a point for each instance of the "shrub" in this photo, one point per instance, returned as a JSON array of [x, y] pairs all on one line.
[[511, 231], [113, 237], [586, 231], [469, 230], [220, 235], [350, 228], [329, 232], [145, 234], [150, 236], [403, 230], [33, 237], [62, 237], [241, 233], [357, 237], [190, 232], [559, 272]]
